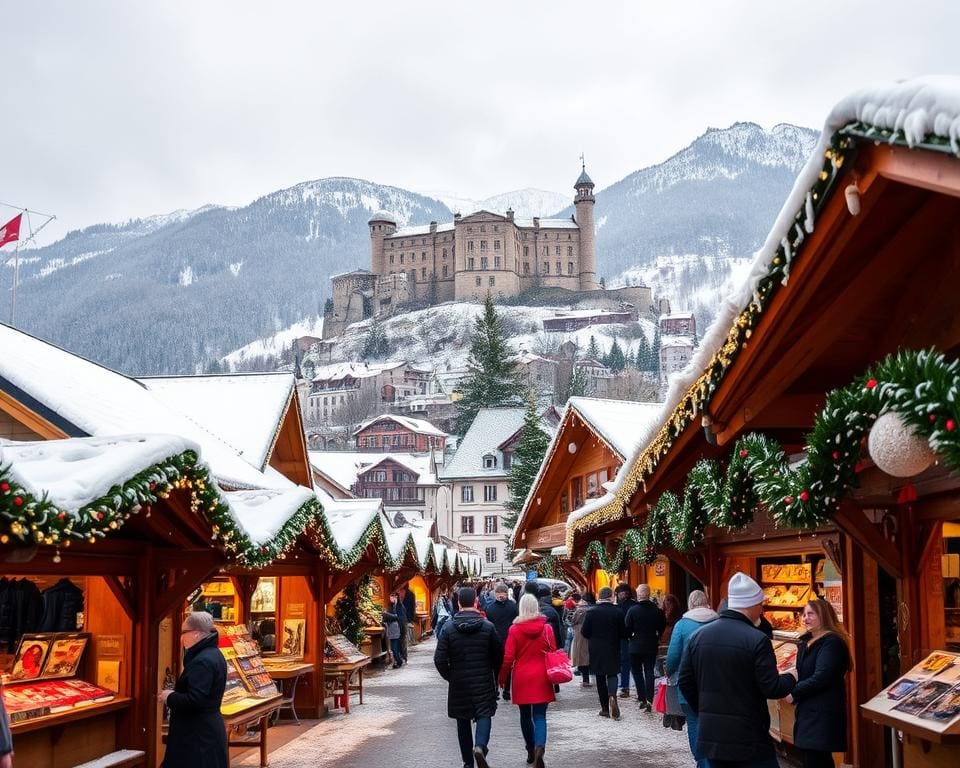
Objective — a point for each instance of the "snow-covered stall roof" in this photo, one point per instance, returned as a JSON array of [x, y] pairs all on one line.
[[86, 399], [420, 426], [918, 112], [76, 472], [349, 520], [262, 513], [246, 409], [344, 467]]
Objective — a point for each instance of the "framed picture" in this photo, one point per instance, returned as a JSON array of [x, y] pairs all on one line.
[[294, 635], [31, 655], [65, 654]]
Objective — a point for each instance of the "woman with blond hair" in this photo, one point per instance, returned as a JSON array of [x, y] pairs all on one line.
[[529, 639], [823, 659]]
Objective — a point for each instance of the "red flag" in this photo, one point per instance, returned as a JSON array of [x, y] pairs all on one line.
[[10, 232]]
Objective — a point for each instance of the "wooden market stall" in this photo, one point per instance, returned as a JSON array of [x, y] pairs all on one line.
[[858, 267]]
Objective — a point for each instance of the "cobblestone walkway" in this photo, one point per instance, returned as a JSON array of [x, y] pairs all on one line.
[[403, 722]]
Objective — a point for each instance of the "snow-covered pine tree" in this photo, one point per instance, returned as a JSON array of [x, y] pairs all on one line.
[[617, 360], [593, 351], [377, 345], [531, 449], [578, 383], [655, 354], [491, 379], [643, 354]]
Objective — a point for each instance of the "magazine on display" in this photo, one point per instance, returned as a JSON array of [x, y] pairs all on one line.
[[927, 697]]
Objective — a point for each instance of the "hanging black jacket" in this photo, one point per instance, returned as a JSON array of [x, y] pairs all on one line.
[[21, 609], [501, 615], [604, 629], [468, 657], [820, 695], [197, 737], [61, 604], [553, 618], [727, 673], [645, 623]]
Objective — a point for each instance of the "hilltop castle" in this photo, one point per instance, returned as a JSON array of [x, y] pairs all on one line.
[[465, 259]]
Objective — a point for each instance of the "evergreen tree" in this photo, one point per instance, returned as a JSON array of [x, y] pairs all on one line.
[[593, 351], [643, 354], [526, 461], [491, 379], [655, 354], [617, 361], [376, 346], [578, 383]]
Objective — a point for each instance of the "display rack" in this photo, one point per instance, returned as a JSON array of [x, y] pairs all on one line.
[[787, 587]]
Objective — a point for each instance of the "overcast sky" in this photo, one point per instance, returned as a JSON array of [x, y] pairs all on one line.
[[115, 109]]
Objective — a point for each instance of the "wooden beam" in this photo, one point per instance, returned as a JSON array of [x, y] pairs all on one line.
[[186, 576], [30, 419], [686, 561], [931, 540], [851, 520], [929, 170], [125, 593]]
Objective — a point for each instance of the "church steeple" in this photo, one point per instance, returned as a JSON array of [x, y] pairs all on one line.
[[583, 204], [584, 185]]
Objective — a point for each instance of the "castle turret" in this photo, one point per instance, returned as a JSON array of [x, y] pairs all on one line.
[[583, 203], [382, 224]]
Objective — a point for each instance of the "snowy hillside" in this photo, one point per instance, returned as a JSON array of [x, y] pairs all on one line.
[[440, 336], [526, 203], [272, 352]]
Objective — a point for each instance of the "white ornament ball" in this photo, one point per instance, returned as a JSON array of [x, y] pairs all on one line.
[[896, 450]]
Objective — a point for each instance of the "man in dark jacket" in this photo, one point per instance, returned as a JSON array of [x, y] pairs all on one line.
[[603, 628], [197, 737], [468, 657], [623, 595], [727, 674], [501, 612], [645, 623], [410, 610], [550, 613]]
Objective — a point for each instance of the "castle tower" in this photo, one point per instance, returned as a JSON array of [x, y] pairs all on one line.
[[381, 225], [583, 203]]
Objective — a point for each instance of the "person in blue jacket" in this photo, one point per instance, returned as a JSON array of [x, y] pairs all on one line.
[[699, 613]]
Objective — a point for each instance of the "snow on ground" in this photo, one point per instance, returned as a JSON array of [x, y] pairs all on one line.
[[403, 722], [440, 335], [273, 345]]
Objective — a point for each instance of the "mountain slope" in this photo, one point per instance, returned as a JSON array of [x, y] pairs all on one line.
[[526, 203], [169, 294]]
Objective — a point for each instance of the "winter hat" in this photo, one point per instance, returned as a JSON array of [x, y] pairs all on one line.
[[743, 592], [606, 593]]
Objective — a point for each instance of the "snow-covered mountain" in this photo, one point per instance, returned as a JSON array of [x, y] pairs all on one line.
[[176, 293], [526, 203]]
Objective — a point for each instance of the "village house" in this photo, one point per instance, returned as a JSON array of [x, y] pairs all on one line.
[[574, 320], [399, 433], [345, 386], [597, 376], [538, 373]]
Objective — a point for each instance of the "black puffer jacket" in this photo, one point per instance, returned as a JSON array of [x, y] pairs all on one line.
[[197, 737], [820, 696], [727, 674], [468, 657], [501, 615], [553, 618], [604, 629], [645, 624]]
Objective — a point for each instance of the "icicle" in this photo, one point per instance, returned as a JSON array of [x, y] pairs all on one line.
[[800, 235], [808, 209]]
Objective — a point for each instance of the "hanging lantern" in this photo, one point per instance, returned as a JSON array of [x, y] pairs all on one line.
[[896, 450]]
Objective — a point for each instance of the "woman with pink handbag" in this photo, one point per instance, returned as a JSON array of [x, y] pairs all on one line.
[[529, 642]]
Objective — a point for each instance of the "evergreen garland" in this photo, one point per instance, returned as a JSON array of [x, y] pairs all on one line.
[[348, 614], [921, 387]]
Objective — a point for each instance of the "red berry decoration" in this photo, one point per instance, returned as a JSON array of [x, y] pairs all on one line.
[[871, 384], [836, 455], [804, 496], [933, 417], [788, 499], [4, 487], [18, 501], [950, 425], [61, 515], [743, 453]]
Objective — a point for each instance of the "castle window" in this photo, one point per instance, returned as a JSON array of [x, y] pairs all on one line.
[[423, 242], [556, 250], [526, 250], [391, 258], [496, 245], [569, 267], [496, 228], [444, 253], [569, 251], [526, 267], [483, 228], [484, 262], [559, 268], [401, 258], [569, 236], [546, 267], [469, 229], [470, 263], [546, 250], [492, 281], [483, 245], [496, 262], [423, 272], [423, 256], [391, 244], [469, 245], [444, 270], [479, 281]]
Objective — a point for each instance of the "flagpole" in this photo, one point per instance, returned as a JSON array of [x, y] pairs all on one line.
[[13, 294]]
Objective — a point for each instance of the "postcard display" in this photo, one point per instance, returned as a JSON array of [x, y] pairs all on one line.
[[248, 681], [43, 679]]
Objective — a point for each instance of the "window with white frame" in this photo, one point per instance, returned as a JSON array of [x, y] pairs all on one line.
[[490, 554], [490, 524], [466, 524], [489, 493], [466, 493]]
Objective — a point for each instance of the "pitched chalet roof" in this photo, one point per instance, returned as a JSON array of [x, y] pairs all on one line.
[[917, 113], [419, 426], [246, 410], [353, 370], [85, 399], [344, 467], [489, 429]]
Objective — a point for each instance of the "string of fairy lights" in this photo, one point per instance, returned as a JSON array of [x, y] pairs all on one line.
[[33, 520], [921, 387]]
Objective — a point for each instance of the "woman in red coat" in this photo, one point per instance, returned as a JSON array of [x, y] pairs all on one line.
[[528, 641]]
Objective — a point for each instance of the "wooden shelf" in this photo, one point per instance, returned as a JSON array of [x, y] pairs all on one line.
[[71, 715]]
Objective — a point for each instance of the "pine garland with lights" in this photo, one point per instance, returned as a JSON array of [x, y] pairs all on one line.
[[842, 149], [920, 387], [547, 567]]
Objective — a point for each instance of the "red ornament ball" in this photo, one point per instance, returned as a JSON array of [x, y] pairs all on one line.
[[950, 425], [804, 496], [788, 499], [871, 384], [61, 516], [4, 487], [836, 455], [743, 453], [18, 501], [933, 417]]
